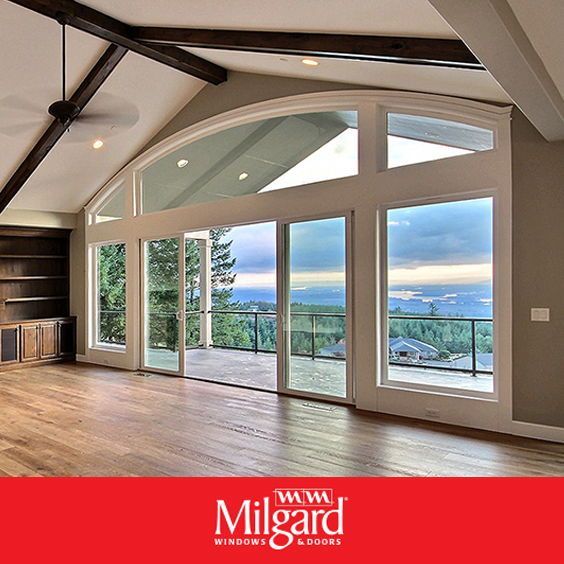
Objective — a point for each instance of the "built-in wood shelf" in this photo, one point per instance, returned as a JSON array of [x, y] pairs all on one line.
[[21, 278], [35, 299], [33, 256], [34, 274]]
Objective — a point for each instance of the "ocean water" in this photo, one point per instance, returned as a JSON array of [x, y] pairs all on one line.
[[469, 300]]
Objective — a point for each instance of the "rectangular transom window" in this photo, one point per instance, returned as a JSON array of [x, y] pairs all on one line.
[[110, 299], [265, 155], [417, 139]]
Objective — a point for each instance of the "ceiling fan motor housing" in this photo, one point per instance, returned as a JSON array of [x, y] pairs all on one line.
[[64, 111]]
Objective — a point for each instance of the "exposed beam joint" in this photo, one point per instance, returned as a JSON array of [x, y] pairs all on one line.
[[115, 31], [83, 94], [407, 50], [493, 32]]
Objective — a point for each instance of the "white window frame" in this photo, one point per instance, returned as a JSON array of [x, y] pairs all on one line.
[[384, 380], [95, 301], [366, 194]]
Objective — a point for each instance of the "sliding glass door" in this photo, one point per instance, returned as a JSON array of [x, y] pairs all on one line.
[[212, 310], [315, 358], [163, 305]]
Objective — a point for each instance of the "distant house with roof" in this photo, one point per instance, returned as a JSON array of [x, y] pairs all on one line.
[[338, 350], [405, 348], [484, 361]]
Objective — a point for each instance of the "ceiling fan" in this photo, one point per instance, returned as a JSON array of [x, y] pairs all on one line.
[[107, 115]]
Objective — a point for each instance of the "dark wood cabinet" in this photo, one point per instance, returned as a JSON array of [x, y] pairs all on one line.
[[66, 338], [34, 296], [43, 340], [48, 339], [29, 342], [9, 344]]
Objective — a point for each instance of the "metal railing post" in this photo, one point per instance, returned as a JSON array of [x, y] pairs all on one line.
[[256, 333], [473, 347], [313, 336]]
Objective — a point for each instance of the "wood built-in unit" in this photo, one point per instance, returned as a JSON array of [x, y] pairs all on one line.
[[35, 325]]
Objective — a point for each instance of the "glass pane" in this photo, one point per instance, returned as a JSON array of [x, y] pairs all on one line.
[[193, 307], [162, 295], [317, 307], [266, 155], [110, 260], [114, 208], [416, 139], [440, 295], [243, 318]]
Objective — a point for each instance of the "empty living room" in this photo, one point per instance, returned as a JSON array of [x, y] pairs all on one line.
[[281, 240]]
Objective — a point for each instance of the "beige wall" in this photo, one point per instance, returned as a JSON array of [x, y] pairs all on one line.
[[78, 281], [241, 89], [32, 218], [538, 275]]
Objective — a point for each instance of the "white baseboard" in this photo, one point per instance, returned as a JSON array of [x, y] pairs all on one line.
[[537, 431]]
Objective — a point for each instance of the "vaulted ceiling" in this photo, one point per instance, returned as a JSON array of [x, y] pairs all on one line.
[[141, 95]]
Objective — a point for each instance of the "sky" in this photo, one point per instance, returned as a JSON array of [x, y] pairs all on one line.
[[436, 244]]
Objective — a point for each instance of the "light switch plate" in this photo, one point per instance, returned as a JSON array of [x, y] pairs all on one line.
[[540, 314]]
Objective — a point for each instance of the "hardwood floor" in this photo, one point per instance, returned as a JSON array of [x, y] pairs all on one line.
[[78, 420]]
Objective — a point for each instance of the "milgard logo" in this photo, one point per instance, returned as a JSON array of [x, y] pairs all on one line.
[[309, 517]]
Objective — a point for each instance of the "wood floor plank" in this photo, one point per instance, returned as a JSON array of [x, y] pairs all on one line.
[[83, 420]]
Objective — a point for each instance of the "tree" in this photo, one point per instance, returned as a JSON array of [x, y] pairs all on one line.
[[111, 293], [433, 309], [227, 329]]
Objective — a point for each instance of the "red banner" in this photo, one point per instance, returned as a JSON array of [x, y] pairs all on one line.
[[281, 519]]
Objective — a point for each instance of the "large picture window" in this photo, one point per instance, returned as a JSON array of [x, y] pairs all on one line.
[[440, 298], [111, 282]]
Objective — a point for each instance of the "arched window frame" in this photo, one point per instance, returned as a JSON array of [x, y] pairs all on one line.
[[366, 196]]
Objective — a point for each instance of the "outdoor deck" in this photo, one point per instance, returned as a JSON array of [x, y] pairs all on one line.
[[323, 376]]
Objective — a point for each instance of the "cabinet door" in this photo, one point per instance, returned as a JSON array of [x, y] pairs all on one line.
[[9, 344], [48, 340], [29, 346], [66, 338]]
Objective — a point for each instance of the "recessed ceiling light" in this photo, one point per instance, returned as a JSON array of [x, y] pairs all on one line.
[[98, 144], [244, 175], [182, 163], [310, 62]]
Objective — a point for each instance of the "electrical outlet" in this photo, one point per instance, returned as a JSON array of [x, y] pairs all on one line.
[[433, 412]]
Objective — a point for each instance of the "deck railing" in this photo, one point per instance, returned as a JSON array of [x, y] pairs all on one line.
[[453, 364], [306, 335], [309, 338]]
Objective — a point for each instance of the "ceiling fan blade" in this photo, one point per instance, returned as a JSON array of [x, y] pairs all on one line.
[[106, 116], [13, 102], [18, 129], [122, 120]]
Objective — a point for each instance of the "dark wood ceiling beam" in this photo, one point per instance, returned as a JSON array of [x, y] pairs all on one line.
[[410, 50], [83, 94], [115, 31]]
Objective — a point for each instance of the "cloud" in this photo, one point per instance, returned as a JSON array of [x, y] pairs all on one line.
[[446, 233], [438, 274], [403, 294]]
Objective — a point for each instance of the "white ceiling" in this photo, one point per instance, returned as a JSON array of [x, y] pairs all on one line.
[[453, 82], [31, 75], [73, 171], [386, 17], [542, 21]]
